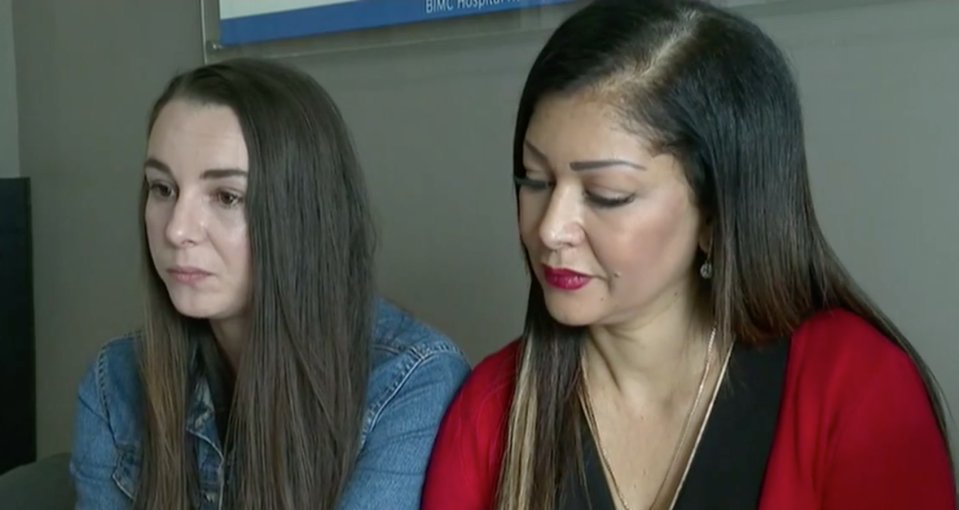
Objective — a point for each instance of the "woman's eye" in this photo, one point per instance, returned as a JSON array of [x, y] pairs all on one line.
[[161, 190], [599, 200], [607, 202], [533, 184], [229, 199]]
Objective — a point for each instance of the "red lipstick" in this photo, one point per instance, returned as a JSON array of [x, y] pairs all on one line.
[[565, 279]]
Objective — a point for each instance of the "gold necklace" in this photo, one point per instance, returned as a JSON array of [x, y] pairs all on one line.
[[604, 456]]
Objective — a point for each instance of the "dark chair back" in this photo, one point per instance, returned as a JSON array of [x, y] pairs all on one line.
[[43, 485]]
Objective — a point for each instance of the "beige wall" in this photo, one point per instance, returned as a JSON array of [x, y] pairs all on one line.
[[85, 79], [433, 123]]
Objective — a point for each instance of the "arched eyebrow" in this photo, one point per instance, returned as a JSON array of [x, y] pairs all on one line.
[[212, 173], [585, 165]]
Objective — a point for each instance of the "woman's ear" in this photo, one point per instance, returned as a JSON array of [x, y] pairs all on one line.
[[706, 235]]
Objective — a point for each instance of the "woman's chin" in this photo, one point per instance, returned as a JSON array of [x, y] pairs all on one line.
[[196, 308], [571, 311]]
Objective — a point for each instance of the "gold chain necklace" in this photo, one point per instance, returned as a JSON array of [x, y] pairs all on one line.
[[604, 456]]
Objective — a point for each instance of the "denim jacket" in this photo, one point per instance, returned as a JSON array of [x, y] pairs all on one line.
[[415, 373]]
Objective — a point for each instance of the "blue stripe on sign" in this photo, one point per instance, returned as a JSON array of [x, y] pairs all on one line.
[[357, 15]]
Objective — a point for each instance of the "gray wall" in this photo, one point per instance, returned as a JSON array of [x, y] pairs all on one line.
[[433, 125], [9, 148], [85, 79]]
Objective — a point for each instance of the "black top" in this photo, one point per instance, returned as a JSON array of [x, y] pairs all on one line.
[[729, 466]]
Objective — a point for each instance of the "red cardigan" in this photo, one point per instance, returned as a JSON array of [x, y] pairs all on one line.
[[855, 429]]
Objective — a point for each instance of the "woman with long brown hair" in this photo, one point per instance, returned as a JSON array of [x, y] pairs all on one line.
[[691, 340], [268, 375]]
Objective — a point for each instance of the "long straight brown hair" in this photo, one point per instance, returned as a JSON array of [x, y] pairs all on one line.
[[299, 396], [711, 89]]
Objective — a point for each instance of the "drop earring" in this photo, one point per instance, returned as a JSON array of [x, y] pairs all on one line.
[[706, 270]]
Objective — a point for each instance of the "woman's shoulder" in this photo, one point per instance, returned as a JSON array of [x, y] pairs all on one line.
[[115, 367], [488, 391], [846, 342], [857, 413], [497, 371], [398, 335], [411, 356], [111, 387], [470, 445], [838, 358]]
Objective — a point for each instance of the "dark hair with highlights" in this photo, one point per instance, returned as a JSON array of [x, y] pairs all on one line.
[[711, 89]]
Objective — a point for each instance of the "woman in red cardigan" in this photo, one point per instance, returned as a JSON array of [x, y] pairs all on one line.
[[691, 340]]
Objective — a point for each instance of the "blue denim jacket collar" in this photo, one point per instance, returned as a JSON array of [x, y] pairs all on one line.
[[200, 416], [200, 425]]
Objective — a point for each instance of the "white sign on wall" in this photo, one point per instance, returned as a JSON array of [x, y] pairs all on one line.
[[253, 21]]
